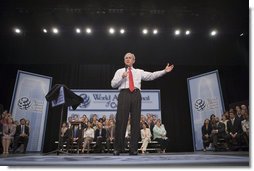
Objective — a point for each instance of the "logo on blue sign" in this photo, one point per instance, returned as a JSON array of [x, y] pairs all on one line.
[[24, 103], [200, 105], [86, 101]]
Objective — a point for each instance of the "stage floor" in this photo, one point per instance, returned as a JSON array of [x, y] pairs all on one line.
[[181, 159]]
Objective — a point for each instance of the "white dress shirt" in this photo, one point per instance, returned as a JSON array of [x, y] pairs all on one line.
[[138, 75]]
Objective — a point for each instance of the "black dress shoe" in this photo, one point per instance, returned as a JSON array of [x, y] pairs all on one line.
[[133, 153], [116, 153]]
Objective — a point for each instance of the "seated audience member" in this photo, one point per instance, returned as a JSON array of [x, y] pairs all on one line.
[[145, 137], [150, 126], [212, 118], [9, 130], [69, 121], [226, 113], [234, 128], [159, 134], [88, 137], [100, 136], [104, 118], [112, 118], [224, 120], [64, 135], [94, 121], [75, 118], [218, 131], [142, 121], [84, 121], [245, 128], [244, 107], [74, 135], [27, 123], [21, 136], [238, 113], [206, 134], [110, 130]]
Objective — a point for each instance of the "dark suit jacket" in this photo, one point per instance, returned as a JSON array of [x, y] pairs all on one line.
[[110, 132], [18, 130], [236, 127], [71, 132], [103, 133], [206, 131], [221, 129]]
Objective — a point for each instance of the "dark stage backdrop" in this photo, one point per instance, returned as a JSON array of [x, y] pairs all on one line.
[[174, 94]]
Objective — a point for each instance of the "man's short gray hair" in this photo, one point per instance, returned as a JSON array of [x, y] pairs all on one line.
[[129, 54]]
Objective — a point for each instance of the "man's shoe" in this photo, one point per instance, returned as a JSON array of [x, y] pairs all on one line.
[[133, 153], [116, 153]]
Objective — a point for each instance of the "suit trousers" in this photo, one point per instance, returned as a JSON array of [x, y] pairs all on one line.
[[129, 103]]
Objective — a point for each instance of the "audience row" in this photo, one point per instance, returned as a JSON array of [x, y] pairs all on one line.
[[232, 129]]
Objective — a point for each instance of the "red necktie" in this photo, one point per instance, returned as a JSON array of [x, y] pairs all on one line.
[[131, 83]]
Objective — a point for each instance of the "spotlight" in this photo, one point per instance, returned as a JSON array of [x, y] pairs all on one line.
[[78, 31], [241, 34], [111, 30], [55, 30], [44, 30], [187, 32], [88, 30], [177, 32], [17, 30], [213, 33], [122, 31], [145, 31], [155, 31]]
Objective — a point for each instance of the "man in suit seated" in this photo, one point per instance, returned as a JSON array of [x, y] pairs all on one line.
[[74, 135], [100, 136], [234, 129], [21, 136], [218, 131]]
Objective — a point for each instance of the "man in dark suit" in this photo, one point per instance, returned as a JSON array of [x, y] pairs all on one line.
[[21, 136], [234, 129], [74, 134], [218, 131], [100, 136]]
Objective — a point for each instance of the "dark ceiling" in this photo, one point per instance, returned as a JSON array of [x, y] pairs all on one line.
[[230, 18]]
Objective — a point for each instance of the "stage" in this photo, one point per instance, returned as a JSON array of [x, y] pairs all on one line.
[[181, 159]]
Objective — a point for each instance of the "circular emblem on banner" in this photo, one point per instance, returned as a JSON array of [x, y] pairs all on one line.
[[200, 104], [86, 101], [24, 103]]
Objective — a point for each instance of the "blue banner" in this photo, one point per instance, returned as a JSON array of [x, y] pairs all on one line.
[[28, 101], [205, 98], [104, 102]]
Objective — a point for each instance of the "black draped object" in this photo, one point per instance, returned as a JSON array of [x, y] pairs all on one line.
[[71, 99]]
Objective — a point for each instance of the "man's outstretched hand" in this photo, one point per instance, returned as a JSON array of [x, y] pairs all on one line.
[[169, 68]]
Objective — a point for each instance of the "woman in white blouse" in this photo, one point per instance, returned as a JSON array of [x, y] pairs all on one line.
[[88, 137], [159, 134], [145, 136]]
